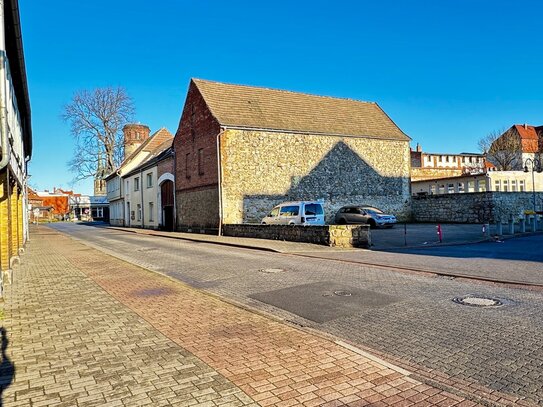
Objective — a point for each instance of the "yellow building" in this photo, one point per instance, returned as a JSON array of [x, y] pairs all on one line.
[[15, 139]]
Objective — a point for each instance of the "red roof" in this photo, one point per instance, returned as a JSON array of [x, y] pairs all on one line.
[[529, 137]]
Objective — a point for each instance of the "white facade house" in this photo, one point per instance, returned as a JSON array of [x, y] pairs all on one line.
[[500, 181], [141, 147], [142, 193]]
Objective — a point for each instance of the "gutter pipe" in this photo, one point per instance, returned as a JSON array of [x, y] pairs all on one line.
[[219, 183]]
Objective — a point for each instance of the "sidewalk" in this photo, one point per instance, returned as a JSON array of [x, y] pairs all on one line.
[[86, 329]]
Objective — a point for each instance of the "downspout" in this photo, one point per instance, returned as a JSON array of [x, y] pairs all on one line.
[[4, 161], [142, 203], [219, 183], [174, 172]]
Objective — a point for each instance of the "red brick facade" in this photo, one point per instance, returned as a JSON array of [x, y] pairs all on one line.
[[195, 144]]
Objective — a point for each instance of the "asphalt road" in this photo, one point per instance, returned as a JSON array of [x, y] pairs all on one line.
[[409, 317]]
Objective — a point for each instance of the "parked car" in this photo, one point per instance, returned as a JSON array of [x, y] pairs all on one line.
[[296, 213], [364, 214]]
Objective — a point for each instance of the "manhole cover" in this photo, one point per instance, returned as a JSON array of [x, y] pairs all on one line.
[[478, 301], [271, 271], [342, 293]]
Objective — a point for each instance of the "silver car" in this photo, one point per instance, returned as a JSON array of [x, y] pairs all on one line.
[[364, 214]]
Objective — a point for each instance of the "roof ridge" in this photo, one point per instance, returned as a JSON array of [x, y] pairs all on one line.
[[283, 91]]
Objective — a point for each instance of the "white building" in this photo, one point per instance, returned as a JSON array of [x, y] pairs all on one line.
[[142, 190], [501, 181], [139, 147]]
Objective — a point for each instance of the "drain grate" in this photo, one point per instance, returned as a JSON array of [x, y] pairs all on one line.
[[478, 301]]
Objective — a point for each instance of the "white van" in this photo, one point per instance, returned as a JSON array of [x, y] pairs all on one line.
[[296, 213]]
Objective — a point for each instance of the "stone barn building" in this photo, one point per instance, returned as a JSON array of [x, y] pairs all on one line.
[[240, 150]]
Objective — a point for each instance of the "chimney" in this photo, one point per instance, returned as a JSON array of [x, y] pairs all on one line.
[[419, 148], [525, 126], [134, 136]]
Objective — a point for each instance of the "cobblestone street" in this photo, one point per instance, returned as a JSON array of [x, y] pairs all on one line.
[[86, 329], [417, 326]]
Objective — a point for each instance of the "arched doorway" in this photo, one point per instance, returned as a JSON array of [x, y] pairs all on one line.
[[168, 205]]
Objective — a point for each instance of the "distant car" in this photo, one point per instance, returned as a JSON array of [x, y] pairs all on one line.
[[364, 214], [296, 213]]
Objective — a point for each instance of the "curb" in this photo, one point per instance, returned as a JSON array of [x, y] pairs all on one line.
[[387, 266]]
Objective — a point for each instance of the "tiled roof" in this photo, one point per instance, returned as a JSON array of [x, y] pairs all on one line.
[[529, 137], [279, 110], [155, 156], [149, 145], [153, 144]]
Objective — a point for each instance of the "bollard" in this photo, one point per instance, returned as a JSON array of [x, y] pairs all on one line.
[[499, 228], [523, 224], [511, 225], [486, 230]]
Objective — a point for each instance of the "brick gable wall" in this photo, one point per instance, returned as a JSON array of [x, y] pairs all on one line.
[[196, 189]]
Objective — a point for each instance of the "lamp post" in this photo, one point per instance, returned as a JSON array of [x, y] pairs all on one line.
[[536, 166]]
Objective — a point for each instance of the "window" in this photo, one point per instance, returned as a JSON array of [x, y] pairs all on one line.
[[497, 185], [450, 188], [521, 186], [139, 211], [314, 209], [127, 186], [432, 189], [481, 185], [97, 212], [471, 186], [136, 184], [441, 189], [274, 212], [505, 185], [187, 159], [151, 206], [201, 161], [150, 180], [460, 187], [514, 185], [293, 210]]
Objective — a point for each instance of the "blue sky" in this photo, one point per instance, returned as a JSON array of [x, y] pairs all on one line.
[[447, 72]]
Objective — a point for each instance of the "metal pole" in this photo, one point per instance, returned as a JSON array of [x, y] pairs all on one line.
[[533, 184]]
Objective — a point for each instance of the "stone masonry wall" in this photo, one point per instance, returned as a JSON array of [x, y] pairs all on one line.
[[262, 169], [198, 208], [420, 174], [477, 207], [331, 235]]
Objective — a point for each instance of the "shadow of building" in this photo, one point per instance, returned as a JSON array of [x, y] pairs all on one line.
[[341, 177]]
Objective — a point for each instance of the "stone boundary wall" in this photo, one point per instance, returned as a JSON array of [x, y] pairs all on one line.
[[329, 235], [478, 207]]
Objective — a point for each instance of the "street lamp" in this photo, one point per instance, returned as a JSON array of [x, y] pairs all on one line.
[[536, 166]]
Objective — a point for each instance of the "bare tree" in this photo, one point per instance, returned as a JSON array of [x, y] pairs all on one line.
[[96, 118], [502, 148]]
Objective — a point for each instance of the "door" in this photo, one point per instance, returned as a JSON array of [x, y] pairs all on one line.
[[167, 201]]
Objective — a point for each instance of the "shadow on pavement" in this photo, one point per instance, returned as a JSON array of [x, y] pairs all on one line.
[[7, 368], [526, 248]]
